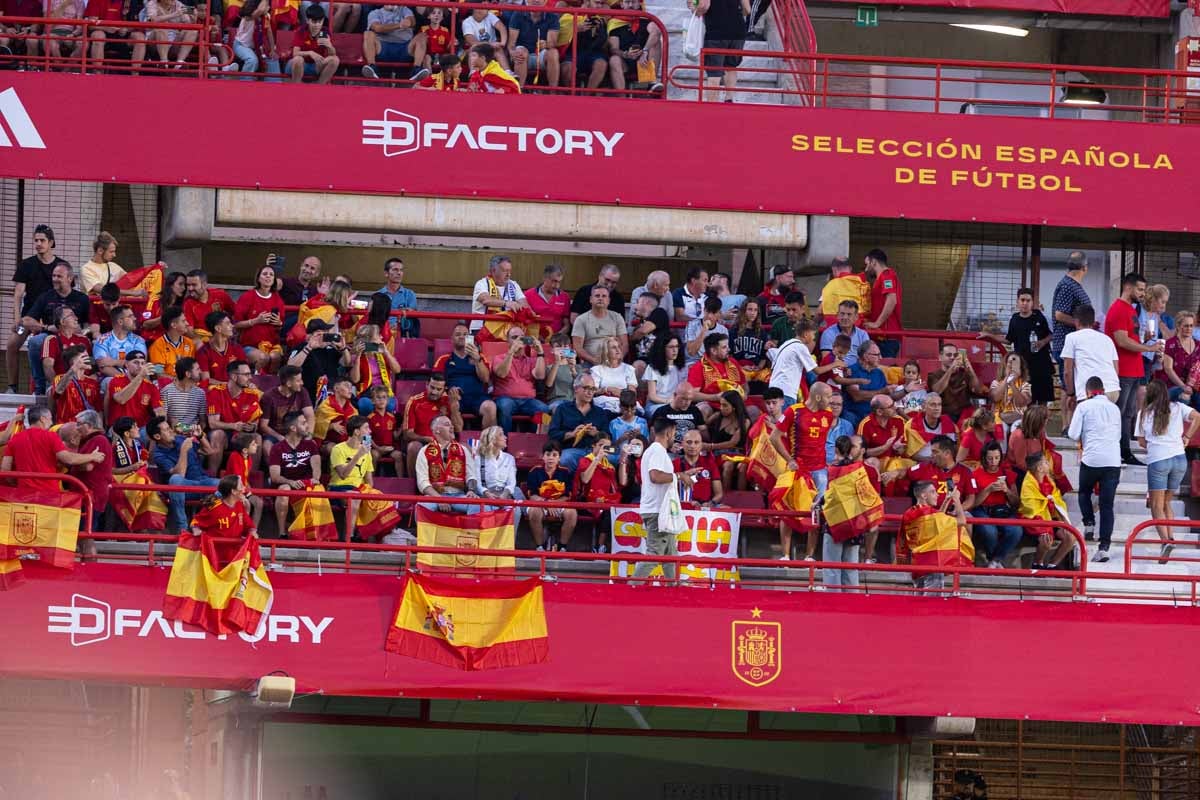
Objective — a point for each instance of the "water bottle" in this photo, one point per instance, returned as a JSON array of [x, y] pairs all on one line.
[[1033, 340]]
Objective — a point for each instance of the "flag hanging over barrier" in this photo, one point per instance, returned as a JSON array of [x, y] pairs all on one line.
[[852, 506], [469, 625], [139, 510], [41, 523], [375, 517], [935, 538], [312, 517], [794, 491], [491, 530], [11, 573], [220, 595]]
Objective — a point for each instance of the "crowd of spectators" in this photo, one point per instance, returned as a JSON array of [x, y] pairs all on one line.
[[428, 47], [298, 379]]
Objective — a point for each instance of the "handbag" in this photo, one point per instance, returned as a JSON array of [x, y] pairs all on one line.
[[693, 38], [670, 513]]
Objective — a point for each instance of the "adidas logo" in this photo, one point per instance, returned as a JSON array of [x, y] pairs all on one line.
[[17, 122]]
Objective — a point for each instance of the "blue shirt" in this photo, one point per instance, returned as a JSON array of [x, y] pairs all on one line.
[[840, 427], [567, 418], [876, 380], [403, 298], [530, 31], [1068, 296], [618, 427], [109, 346], [460, 372], [165, 459], [857, 337]]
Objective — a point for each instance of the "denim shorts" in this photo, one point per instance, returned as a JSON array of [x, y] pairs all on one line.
[[1167, 473]]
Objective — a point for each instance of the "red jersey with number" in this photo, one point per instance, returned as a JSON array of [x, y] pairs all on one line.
[[961, 477], [804, 434], [887, 283], [216, 362], [876, 435], [383, 428], [420, 412], [141, 406], [222, 520]]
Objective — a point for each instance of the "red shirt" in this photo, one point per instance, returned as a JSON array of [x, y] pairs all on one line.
[[152, 311], [439, 41], [304, 40], [238, 465], [970, 440], [729, 370], [383, 428], [420, 412], [945, 426], [99, 477], [79, 396], [804, 433], [1122, 317], [964, 481], [249, 306], [243, 408], [602, 488], [196, 311], [888, 283], [876, 435], [36, 450], [828, 377], [216, 363], [141, 406], [56, 345], [702, 489], [222, 520], [983, 478], [555, 311], [106, 10], [774, 303]]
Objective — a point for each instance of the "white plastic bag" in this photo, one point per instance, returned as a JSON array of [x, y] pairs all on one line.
[[693, 38], [670, 513]]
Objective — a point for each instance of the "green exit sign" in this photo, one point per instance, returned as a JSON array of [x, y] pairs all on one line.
[[867, 17]]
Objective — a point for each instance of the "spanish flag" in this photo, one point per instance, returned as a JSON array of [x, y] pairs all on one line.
[[491, 530], [523, 318], [138, 509], [935, 538], [914, 441], [470, 625], [375, 517], [852, 506], [41, 523], [12, 426], [764, 465], [794, 491], [149, 278], [221, 596], [313, 517], [11, 574]]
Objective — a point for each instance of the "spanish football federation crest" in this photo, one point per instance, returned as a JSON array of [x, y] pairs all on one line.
[[757, 652]]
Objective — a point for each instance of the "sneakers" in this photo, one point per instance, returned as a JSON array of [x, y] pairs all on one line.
[[419, 75], [601, 549], [995, 563], [368, 71], [541, 548], [1100, 556], [1132, 461], [809, 558], [657, 88], [1089, 532], [1164, 555], [871, 561]]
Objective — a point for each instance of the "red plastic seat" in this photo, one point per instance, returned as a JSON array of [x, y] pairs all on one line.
[[264, 382], [986, 371], [349, 48], [438, 330], [404, 389], [413, 355], [441, 347], [914, 347], [399, 486], [526, 448]]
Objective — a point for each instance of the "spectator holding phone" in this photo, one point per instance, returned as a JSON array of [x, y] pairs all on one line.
[[65, 337], [313, 54], [75, 389], [258, 318], [372, 366], [467, 373], [513, 376], [561, 372], [322, 357]]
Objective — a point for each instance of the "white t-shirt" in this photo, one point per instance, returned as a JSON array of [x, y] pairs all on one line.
[[1094, 354], [512, 291], [655, 457], [1169, 444], [664, 385], [621, 376], [484, 31], [792, 360], [1098, 421]]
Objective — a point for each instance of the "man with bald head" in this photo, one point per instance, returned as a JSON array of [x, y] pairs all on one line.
[[444, 469], [882, 430], [683, 412], [800, 438]]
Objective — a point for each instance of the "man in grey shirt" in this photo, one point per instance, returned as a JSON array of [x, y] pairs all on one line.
[[389, 39], [1096, 424]]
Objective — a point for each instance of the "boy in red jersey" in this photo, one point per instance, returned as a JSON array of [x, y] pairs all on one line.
[[383, 426], [244, 453], [447, 79]]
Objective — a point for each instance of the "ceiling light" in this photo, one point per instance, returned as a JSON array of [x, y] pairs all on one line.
[[1083, 94], [1004, 30]]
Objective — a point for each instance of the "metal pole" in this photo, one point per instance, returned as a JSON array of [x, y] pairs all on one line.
[[1035, 261]]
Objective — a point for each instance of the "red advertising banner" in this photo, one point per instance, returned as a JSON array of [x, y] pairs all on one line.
[[724, 647], [1110, 8], [603, 151]]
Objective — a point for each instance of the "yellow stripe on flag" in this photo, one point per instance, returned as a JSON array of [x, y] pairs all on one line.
[[471, 625], [39, 523], [936, 538], [220, 597], [11, 573], [914, 442], [852, 506], [491, 530]]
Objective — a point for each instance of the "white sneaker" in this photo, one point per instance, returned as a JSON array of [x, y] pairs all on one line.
[[368, 71], [1164, 555], [1100, 556], [995, 563]]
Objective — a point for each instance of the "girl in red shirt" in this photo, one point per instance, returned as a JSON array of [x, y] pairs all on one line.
[[258, 317]]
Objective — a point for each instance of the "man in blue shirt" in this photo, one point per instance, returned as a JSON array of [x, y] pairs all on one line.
[[178, 459], [874, 382], [576, 425], [401, 297], [847, 315], [533, 36], [840, 427], [467, 372]]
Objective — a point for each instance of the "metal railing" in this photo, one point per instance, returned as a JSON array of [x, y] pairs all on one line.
[[1135, 540]]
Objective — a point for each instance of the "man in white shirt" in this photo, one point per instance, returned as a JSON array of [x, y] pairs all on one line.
[[792, 360], [1088, 352], [1096, 424], [657, 474], [496, 291]]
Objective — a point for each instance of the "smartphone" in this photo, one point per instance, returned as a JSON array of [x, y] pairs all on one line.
[[528, 341], [567, 352], [609, 450], [280, 264], [332, 338], [371, 347]]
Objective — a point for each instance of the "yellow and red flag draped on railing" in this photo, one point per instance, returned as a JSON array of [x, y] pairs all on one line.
[[219, 592], [41, 523], [523, 318], [794, 491], [491, 530], [852, 506], [471, 625], [313, 517], [11, 574], [13, 426], [935, 538], [375, 517], [148, 278], [139, 510]]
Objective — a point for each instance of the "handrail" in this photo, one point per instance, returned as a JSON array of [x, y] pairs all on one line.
[[77, 486], [86, 27], [1132, 540]]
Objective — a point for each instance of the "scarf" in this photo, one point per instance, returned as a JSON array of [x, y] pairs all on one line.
[[712, 376]]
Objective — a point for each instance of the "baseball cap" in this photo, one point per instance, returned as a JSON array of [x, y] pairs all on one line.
[[132, 354], [315, 325], [780, 269]]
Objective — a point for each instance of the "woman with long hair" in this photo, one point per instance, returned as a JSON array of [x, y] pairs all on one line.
[[379, 312], [980, 430], [1011, 392], [258, 315], [1027, 439], [995, 498], [497, 471], [748, 342], [665, 369], [613, 376], [727, 426], [1161, 430], [174, 292]]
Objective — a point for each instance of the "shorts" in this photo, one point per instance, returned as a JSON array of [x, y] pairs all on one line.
[[716, 62], [1166, 474], [393, 53], [310, 69], [469, 404], [586, 60]]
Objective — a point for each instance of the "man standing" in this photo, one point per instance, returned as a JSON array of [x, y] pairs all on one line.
[[800, 438], [133, 393], [610, 275], [847, 318], [513, 377], [97, 476], [649, 321], [202, 301], [657, 473], [1029, 336], [688, 300], [31, 281], [116, 345], [38, 449], [590, 331], [444, 469], [1121, 326], [402, 298], [178, 457], [887, 299], [775, 296], [548, 300], [39, 322], [496, 291], [915, 534], [1088, 353], [578, 423], [298, 290], [844, 284], [1096, 425], [956, 381], [1069, 295], [103, 269]]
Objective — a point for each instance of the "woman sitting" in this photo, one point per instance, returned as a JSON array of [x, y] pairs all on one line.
[[664, 371], [1040, 500], [497, 476], [748, 344], [978, 431], [613, 376], [373, 365], [1012, 392], [1181, 362], [727, 426], [995, 498], [1027, 440]]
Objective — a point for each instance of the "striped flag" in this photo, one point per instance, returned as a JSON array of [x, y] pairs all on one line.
[[220, 595], [11, 574], [794, 491], [852, 506], [139, 510], [471, 625], [312, 517], [41, 523], [375, 517], [491, 530], [935, 538]]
